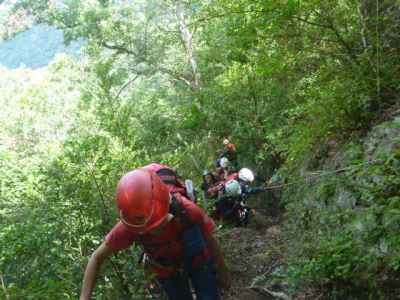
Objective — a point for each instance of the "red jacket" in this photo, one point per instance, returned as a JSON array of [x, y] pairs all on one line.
[[216, 188]]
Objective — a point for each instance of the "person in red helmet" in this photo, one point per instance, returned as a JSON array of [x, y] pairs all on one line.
[[175, 234]]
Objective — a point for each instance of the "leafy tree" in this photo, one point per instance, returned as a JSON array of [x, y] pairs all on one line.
[[165, 81]]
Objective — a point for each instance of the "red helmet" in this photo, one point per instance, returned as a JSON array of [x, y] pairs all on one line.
[[142, 200]]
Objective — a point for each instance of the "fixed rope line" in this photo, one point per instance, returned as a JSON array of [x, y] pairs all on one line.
[[309, 179], [378, 51]]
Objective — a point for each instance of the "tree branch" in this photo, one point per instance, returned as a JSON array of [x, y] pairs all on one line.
[[3, 285], [331, 27], [268, 292], [187, 41], [342, 41], [175, 76], [125, 85], [312, 23], [123, 49], [217, 16], [105, 214], [118, 48]]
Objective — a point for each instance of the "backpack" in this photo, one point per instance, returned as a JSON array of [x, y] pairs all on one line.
[[177, 188], [192, 244], [171, 178]]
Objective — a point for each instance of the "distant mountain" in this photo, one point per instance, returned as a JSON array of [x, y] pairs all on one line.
[[35, 47]]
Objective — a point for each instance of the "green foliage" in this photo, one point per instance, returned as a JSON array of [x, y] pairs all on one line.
[[349, 244], [165, 81], [12, 22]]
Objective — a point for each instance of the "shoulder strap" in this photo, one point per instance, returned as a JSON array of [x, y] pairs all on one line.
[[168, 176], [179, 212]]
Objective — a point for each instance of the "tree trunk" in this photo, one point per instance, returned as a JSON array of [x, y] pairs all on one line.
[[187, 40]]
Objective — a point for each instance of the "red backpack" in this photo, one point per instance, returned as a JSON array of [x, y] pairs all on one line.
[[170, 177]]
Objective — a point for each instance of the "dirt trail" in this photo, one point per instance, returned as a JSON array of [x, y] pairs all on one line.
[[251, 252]]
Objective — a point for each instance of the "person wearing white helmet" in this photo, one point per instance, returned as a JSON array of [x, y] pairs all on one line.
[[225, 168], [232, 188], [227, 199], [224, 162], [245, 177], [231, 193]]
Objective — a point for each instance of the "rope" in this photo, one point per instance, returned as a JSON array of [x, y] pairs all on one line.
[[378, 58], [310, 179]]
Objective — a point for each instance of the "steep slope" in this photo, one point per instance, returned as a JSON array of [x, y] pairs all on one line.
[[251, 253]]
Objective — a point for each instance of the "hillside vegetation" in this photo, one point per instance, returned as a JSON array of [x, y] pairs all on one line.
[[302, 88]]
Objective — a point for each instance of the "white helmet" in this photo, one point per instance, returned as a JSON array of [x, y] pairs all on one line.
[[232, 188], [224, 162], [225, 142], [246, 175]]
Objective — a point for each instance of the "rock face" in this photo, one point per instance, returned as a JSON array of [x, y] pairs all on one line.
[[383, 139], [35, 48], [345, 224], [381, 143]]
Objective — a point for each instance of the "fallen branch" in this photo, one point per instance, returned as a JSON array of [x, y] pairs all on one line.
[[4, 287], [279, 295], [271, 268]]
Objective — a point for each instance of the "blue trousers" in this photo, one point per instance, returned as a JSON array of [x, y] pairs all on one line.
[[203, 279], [198, 270]]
